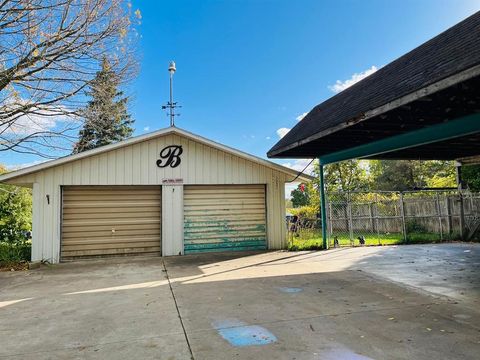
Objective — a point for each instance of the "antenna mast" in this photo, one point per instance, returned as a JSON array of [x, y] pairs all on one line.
[[171, 105]]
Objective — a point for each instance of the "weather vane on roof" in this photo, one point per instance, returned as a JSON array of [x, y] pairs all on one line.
[[171, 105]]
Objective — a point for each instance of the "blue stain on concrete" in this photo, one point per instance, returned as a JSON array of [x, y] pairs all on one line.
[[290, 290], [239, 334]]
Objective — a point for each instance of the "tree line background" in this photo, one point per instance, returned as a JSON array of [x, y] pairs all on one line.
[[385, 175]]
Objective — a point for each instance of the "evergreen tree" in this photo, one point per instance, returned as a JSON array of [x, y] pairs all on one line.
[[106, 117]]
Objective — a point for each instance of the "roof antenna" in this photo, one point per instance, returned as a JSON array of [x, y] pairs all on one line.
[[171, 105]]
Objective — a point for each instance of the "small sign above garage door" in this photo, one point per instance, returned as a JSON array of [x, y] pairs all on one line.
[[224, 218]]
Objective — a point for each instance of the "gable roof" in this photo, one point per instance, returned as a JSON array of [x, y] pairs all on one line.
[[450, 57], [149, 136]]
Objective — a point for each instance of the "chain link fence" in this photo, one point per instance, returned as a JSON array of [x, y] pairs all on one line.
[[389, 217]]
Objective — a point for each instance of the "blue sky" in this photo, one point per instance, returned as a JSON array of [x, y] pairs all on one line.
[[248, 68]]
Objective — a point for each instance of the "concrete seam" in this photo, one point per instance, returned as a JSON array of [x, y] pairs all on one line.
[[178, 311]]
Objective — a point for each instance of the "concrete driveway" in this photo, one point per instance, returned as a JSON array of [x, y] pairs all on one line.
[[409, 302]]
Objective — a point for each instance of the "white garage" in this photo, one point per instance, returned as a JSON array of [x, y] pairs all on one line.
[[169, 192]]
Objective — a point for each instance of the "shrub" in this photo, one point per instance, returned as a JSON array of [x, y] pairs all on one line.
[[15, 223], [413, 226], [305, 212], [15, 252], [15, 213]]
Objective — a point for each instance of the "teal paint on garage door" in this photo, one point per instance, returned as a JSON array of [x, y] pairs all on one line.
[[224, 218]]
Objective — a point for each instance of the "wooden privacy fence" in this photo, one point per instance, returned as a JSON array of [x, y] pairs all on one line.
[[409, 216]]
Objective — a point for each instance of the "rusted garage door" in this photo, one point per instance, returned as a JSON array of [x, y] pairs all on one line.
[[110, 220], [224, 218]]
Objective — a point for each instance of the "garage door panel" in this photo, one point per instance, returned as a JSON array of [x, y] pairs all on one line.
[[115, 215], [87, 210], [104, 233], [110, 220], [225, 208], [122, 190], [224, 237], [108, 197], [79, 254], [110, 240], [236, 196], [232, 233], [224, 218], [117, 245], [74, 227], [215, 228], [94, 204], [232, 246], [236, 189], [233, 214], [231, 221], [237, 201], [107, 222]]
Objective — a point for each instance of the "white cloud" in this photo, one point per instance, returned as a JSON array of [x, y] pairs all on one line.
[[301, 116], [268, 138], [38, 120], [31, 123], [342, 85], [146, 128], [282, 132], [300, 164]]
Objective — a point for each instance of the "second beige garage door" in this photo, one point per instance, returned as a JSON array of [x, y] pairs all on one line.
[[224, 218], [110, 220]]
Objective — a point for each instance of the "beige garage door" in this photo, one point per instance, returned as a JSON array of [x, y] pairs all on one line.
[[224, 218], [110, 220]]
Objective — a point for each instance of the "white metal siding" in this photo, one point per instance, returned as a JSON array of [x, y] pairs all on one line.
[[224, 217], [110, 220], [135, 165]]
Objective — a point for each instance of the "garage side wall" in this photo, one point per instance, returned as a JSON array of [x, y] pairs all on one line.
[[136, 165]]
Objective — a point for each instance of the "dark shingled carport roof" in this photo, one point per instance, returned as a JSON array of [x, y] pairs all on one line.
[[367, 111]]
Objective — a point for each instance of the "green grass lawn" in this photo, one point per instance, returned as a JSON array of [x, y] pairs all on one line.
[[308, 239]]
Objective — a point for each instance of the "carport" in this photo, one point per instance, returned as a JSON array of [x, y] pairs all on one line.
[[423, 106]]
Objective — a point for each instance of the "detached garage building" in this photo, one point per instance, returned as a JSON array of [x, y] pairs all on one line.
[[169, 192]]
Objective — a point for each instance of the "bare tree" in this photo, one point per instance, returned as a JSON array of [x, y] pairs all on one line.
[[49, 52]]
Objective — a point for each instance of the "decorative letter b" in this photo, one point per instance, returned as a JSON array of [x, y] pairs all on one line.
[[170, 156]]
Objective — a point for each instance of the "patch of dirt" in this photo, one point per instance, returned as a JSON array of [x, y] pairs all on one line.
[[14, 266]]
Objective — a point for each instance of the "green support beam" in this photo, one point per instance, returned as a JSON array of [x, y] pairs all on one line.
[[454, 128], [323, 208]]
